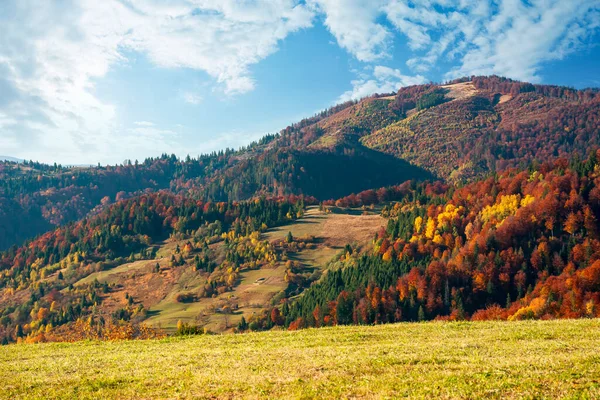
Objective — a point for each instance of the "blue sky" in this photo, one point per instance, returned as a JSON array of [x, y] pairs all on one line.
[[83, 81]]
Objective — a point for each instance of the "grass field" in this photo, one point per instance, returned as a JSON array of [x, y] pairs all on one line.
[[335, 230], [531, 359]]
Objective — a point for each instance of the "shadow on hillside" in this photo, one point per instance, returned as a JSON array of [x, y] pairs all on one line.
[[340, 172]]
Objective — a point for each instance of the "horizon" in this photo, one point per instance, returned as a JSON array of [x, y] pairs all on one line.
[[86, 83]]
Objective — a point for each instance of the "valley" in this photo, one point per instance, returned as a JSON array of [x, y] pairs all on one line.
[[299, 199]]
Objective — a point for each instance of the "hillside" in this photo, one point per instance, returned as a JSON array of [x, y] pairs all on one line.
[[164, 260], [520, 245], [235, 241], [459, 132], [490, 124], [493, 360], [253, 293]]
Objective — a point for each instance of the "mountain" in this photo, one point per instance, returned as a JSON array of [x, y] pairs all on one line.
[[521, 245], [480, 183], [458, 132]]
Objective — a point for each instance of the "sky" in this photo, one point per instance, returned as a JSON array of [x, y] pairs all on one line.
[[88, 81]]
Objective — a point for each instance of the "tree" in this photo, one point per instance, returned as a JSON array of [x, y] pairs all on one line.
[[421, 314], [572, 223], [243, 325], [343, 310], [276, 316], [19, 331], [318, 316], [289, 238]]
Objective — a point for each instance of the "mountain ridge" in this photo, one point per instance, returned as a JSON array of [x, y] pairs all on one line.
[[448, 167]]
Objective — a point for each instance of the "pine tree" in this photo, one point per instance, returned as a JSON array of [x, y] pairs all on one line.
[[421, 314], [243, 325]]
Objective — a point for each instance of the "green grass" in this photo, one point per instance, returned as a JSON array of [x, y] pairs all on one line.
[[534, 359]]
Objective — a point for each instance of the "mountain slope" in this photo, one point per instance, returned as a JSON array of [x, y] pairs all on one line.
[[491, 124], [170, 239], [457, 132], [521, 245]]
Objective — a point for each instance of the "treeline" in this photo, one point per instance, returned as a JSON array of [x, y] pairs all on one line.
[[321, 174], [413, 192], [512, 87]]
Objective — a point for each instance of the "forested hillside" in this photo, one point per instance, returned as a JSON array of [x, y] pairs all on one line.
[[489, 188], [489, 124], [459, 132], [37, 292], [523, 244]]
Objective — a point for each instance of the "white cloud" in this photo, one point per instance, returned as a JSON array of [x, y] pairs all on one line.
[[505, 37], [221, 37], [52, 53], [192, 98], [143, 123], [384, 80], [353, 23]]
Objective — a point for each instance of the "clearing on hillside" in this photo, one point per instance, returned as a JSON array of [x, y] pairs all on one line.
[[460, 91], [491, 360], [158, 291]]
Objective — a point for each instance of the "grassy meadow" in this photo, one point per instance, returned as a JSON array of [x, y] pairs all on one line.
[[530, 359]]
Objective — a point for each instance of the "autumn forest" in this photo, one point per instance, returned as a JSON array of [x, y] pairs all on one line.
[[475, 199]]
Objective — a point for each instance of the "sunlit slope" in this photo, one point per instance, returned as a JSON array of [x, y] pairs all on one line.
[[252, 293], [492, 360]]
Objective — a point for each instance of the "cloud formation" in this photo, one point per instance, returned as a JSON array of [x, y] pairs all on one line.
[[504, 37], [52, 53], [353, 23], [382, 80]]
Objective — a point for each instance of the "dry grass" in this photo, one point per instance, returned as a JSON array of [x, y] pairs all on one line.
[[504, 98], [460, 91], [491, 360], [335, 230]]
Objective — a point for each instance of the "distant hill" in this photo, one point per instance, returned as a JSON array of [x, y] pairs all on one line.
[[11, 159]]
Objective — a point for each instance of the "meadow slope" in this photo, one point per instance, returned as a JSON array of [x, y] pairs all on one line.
[[528, 359]]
